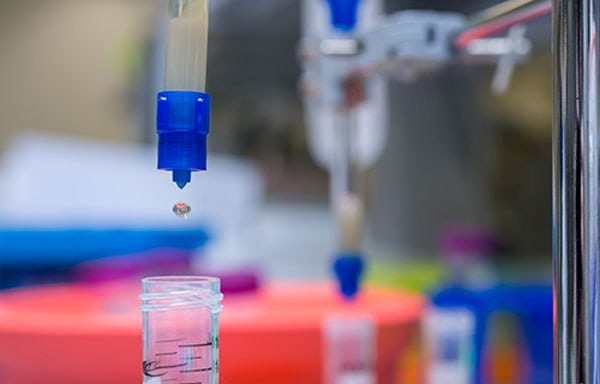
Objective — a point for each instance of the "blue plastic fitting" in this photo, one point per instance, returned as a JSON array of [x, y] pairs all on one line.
[[343, 14], [182, 124], [348, 269]]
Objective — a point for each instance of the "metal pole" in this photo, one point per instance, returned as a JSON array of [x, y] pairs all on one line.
[[576, 183]]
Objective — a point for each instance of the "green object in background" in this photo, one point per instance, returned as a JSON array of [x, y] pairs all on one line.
[[419, 276], [128, 57]]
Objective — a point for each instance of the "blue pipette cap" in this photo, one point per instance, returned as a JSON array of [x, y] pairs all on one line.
[[348, 268], [344, 14], [182, 124]]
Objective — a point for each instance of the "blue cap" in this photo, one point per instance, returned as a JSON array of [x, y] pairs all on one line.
[[343, 14], [182, 124], [348, 268]]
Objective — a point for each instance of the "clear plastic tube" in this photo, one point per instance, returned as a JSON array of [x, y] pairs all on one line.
[[349, 349], [180, 329], [341, 166], [187, 43]]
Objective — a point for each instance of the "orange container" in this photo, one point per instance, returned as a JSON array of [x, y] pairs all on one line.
[[92, 334]]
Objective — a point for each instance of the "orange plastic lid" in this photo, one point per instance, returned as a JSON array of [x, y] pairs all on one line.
[[85, 324], [78, 309]]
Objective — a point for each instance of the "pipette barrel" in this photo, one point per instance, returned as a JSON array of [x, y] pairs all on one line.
[[187, 43], [183, 109]]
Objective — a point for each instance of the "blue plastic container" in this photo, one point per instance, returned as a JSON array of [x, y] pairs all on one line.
[[530, 304], [48, 255]]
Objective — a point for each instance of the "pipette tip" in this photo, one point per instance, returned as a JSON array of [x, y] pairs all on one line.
[[182, 178], [348, 268]]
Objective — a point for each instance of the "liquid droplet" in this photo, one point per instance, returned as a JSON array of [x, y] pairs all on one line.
[[182, 210]]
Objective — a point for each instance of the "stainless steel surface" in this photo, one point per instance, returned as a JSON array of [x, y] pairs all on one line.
[[500, 18], [576, 183]]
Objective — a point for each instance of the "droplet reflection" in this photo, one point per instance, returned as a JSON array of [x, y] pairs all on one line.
[[182, 210]]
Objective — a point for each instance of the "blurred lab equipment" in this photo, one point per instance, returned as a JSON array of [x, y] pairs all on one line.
[[455, 324], [365, 124], [181, 331], [430, 40], [459, 324], [346, 59], [459, 321], [69, 201], [348, 264], [344, 137], [273, 334], [183, 109]]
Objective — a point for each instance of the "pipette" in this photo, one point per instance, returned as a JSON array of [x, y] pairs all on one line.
[[348, 264], [183, 109]]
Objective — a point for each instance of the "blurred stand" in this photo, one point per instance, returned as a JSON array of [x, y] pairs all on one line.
[[451, 150]]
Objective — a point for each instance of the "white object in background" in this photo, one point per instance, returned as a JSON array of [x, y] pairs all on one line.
[[275, 244], [349, 349], [369, 128], [51, 182], [449, 338], [506, 64]]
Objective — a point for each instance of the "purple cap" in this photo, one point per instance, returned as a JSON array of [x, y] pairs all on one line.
[[161, 261], [467, 242], [241, 280]]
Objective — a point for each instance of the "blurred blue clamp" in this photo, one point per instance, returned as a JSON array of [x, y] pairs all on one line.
[[344, 14], [182, 124], [348, 269]]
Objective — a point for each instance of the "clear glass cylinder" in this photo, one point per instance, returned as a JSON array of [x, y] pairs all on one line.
[[187, 43], [180, 329]]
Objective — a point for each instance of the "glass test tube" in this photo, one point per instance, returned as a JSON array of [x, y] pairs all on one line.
[[187, 43], [180, 329]]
